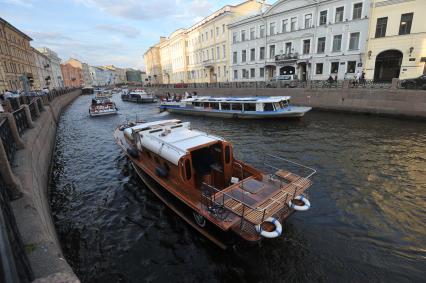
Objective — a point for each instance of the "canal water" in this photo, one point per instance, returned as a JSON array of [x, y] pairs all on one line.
[[367, 222]]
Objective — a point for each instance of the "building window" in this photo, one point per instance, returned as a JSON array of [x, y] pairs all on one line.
[[217, 31], [334, 67], [351, 67], [252, 33], [284, 26], [405, 25], [339, 14], [261, 31], [262, 53], [271, 51], [288, 48], [243, 35], [381, 27], [207, 36], [262, 72], [357, 11], [354, 41], [318, 68], [217, 52], [323, 18], [235, 74], [212, 54], [308, 20], [293, 24], [243, 56], [234, 57], [252, 73], [321, 45], [223, 28], [337, 43], [271, 28], [252, 54], [245, 73], [306, 46]]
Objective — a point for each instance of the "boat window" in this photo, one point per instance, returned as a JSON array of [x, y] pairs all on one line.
[[249, 107], [214, 105], [225, 106], [227, 154], [237, 106], [268, 107], [188, 169], [196, 104], [277, 105]]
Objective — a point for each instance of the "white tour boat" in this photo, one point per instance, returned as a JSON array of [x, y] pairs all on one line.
[[236, 107], [102, 106]]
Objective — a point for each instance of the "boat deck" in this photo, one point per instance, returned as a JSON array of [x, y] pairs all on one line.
[[256, 200]]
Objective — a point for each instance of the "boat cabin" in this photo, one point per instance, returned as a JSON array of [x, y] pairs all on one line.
[[177, 151], [259, 104]]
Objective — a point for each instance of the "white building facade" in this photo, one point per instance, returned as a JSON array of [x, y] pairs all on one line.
[[309, 39], [55, 66], [101, 76]]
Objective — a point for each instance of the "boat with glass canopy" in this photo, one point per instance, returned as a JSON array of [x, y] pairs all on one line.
[[236, 107]]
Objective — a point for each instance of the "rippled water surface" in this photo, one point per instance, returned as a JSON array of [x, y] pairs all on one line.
[[367, 222]]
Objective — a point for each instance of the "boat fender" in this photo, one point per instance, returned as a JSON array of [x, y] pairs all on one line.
[[306, 206], [161, 172], [235, 116], [133, 152], [276, 233]]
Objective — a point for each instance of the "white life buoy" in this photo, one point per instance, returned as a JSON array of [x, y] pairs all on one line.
[[304, 207], [276, 233]]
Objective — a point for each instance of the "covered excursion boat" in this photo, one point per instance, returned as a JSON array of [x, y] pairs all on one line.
[[102, 106], [237, 107], [199, 171], [138, 96]]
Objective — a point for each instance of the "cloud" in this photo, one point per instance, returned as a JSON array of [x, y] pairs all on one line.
[[22, 3], [126, 31], [152, 10]]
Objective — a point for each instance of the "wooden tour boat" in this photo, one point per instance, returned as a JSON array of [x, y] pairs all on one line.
[[102, 106], [138, 96], [236, 107], [200, 172]]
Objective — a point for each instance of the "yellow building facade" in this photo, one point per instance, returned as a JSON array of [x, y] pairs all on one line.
[[199, 53], [396, 47], [16, 57]]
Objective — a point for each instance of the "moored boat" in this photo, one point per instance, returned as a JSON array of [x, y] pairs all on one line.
[[138, 96], [102, 106], [201, 172], [237, 107]]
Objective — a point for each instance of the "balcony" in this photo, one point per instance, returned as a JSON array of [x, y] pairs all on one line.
[[208, 63], [287, 57]]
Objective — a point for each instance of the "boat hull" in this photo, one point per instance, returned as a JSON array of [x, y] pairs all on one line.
[[294, 112], [102, 113], [138, 100]]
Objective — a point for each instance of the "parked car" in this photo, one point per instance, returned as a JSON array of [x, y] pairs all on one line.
[[283, 81], [419, 82], [180, 85]]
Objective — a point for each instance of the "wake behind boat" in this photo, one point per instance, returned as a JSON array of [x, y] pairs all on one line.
[[138, 96], [236, 107], [199, 170]]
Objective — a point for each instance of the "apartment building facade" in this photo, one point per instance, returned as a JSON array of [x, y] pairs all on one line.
[[201, 52], [307, 39], [44, 70], [153, 64], [55, 65], [16, 57], [396, 46]]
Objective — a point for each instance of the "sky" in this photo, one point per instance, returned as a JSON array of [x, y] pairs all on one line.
[[104, 32]]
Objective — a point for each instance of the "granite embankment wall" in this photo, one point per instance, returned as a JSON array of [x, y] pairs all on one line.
[[32, 211], [393, 102]]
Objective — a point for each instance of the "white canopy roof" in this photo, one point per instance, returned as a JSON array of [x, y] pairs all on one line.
[[171, 139], [255, 99]]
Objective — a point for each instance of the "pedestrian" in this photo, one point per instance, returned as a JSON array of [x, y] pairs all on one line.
[[7, 94], [330, 80], [362, 79]]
